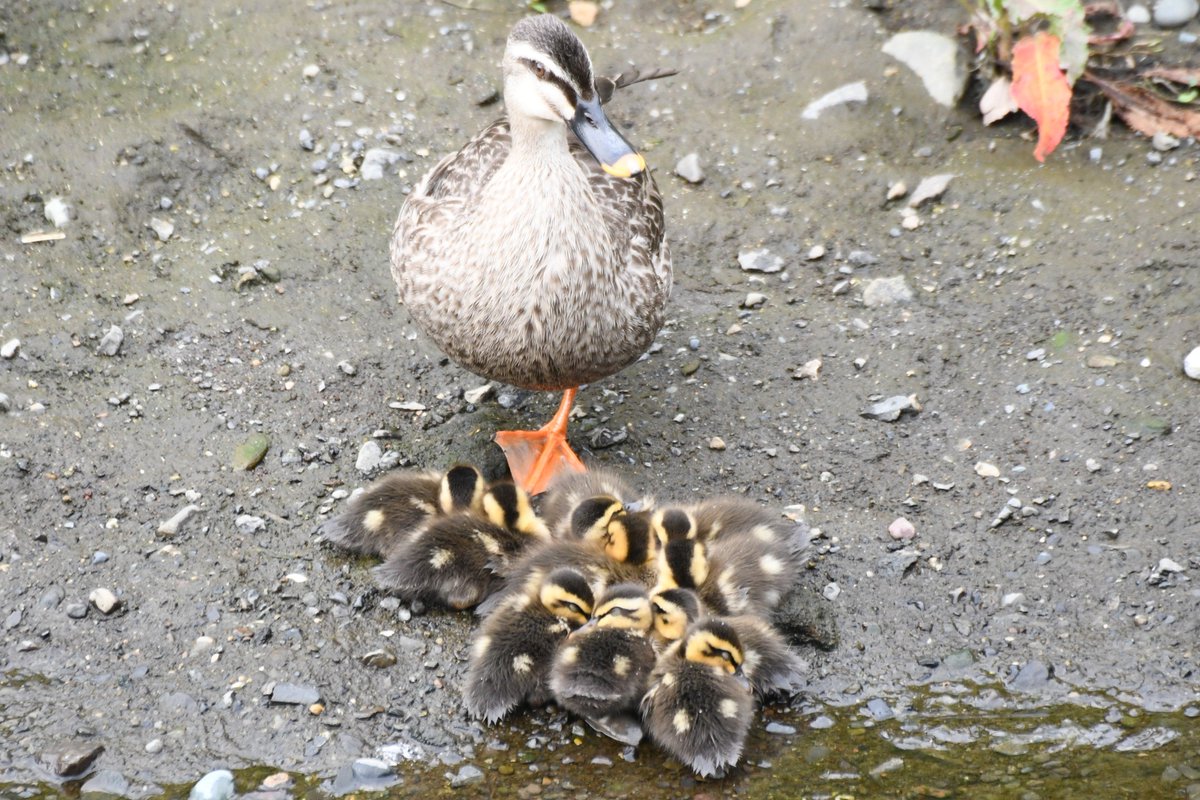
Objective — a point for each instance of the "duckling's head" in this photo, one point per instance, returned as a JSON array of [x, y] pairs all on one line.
[[462, 489], [682, 562], [625, 606], [566, 594], [507, 505], [548, 76], [673, 610], [628, 539], [670, 524], [715, 643], [590, 519]]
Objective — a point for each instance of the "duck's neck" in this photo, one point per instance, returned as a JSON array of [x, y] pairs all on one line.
[[537, 141]]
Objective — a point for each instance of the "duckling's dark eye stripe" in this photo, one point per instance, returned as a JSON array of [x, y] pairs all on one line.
[[567, 89]]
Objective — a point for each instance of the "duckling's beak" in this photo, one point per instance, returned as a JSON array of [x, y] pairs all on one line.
[[740, 676], [591, 623], [616, 156]]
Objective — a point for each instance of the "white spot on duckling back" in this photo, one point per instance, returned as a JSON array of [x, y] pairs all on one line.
[[421, 505], [668, 679], [729, 708], [489, 543], [441, 557], [522, 663], [569, 655], [682, 721], [373, 520], [481, 646], [621, 665], [770, 564], [764, 533]]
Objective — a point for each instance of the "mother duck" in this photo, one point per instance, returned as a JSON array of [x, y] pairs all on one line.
[[534, 255]]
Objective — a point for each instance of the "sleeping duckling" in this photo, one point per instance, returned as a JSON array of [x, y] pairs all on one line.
[[461, 559], [511, 656], [613, 548], [728, 517], [738, 575], [699, 707], [769, 664], [569, 491], [602, 670], [391, 509]]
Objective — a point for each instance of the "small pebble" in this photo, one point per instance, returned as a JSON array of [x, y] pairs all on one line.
[[10, 348], [247, 524], [99, 557], [171, 526], [311, 71], [886, 292], [294, 694], [72, 759], [716, 443], [76, 610], [110, 343], [154, 746], [1191, 364], [985, 470], [216, 785], [347, 368], [831, 591], [809, 369], [250, 453], [1138, 14], [759, 261], [1092, 465], [754, 300], [1174, 13], [104, 600], [688, 168], [1012, 598], [57, 212], [369, 457], [163, 228], [816, 252], [902, 529]]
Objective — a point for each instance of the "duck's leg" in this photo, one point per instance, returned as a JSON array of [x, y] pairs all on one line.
[[536, 458]]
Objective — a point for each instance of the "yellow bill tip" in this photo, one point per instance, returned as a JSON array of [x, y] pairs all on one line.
[[626, 166]]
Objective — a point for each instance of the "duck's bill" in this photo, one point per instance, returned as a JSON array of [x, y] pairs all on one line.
[[616, 156]]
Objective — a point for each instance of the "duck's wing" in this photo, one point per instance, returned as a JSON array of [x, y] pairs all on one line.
[[606, 86], [461, 173]]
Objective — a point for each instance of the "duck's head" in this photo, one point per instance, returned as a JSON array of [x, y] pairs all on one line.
[[507, 505], [682, 563], [591, 517], [673, 610], [671, 524], [625, 607], [629, 539], [715, 643], [548, 76], [462, 489], [566, 594]]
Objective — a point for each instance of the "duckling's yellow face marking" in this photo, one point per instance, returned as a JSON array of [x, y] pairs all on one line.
[[728, 708], [621, 665], [522, 663], [625, 613], [507, 506], [592, 517], [670, 619], [670, 524], [706, 647], [682, 721], [441, 557], [373, 520], [682, 563], [565, 604]]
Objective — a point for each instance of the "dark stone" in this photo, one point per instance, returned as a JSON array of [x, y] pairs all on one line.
[[72, 760]]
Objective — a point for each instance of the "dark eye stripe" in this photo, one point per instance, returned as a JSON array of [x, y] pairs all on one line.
[[550, 77]]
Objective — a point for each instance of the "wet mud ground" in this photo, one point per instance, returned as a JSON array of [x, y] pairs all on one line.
[[1052, 307]]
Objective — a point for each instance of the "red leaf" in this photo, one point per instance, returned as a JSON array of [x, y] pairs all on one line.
[[1041, 89]]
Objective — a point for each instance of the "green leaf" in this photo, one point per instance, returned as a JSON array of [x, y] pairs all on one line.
[[1189, 96]]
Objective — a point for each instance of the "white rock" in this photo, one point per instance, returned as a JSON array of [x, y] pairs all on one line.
[[1191, 364], [1167, 565], [716, 443], [754, 300], [688, 168], [1163, 141], [809, 369], [57, 212], [1092, 465], [311, 71], [930, 188], [886, 292], [375, 161], [1012, 598], [171, 526], [849, 93], [985, 470], [369, 457], [831, 591], [110, 343], [1174, 13], [816, 252], [759, 261], [901, 529], [477, 395], [247, 524], [10, 348], [934, 57], [1138, 14], [163, 228], [216, 785], [104, 600]]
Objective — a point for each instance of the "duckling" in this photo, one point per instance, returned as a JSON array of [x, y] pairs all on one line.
[[460, 559], [699, 706], [770, 665], [734, 575], [397, 505], [727, 517], [533, 256], [601, 671], [512, 654], [570, 489], [620, 550]]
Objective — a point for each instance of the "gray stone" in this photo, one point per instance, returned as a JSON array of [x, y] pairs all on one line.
[[889, 410], [780, 729], [369, 457], [688, 168], [1174, 13], [887, 292], [371, 768], [5, 403], [759, 261], [878, 709], [110, 344], [294, 694], [171, 526], [1032, 677], [216, 785], [248, 524], [72, 760], [467, 774], [106, 782], [52, 597], [375, 161]]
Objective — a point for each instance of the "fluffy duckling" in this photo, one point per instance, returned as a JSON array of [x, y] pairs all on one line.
[[571, 489], [769, 664], [699, 707], [602, 670], [511, 656], [728, 517], [614, 547], [738, 575], [459, 560], [391, 509]]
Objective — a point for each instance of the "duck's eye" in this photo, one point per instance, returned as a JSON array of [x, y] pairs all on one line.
[[539, 69]]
